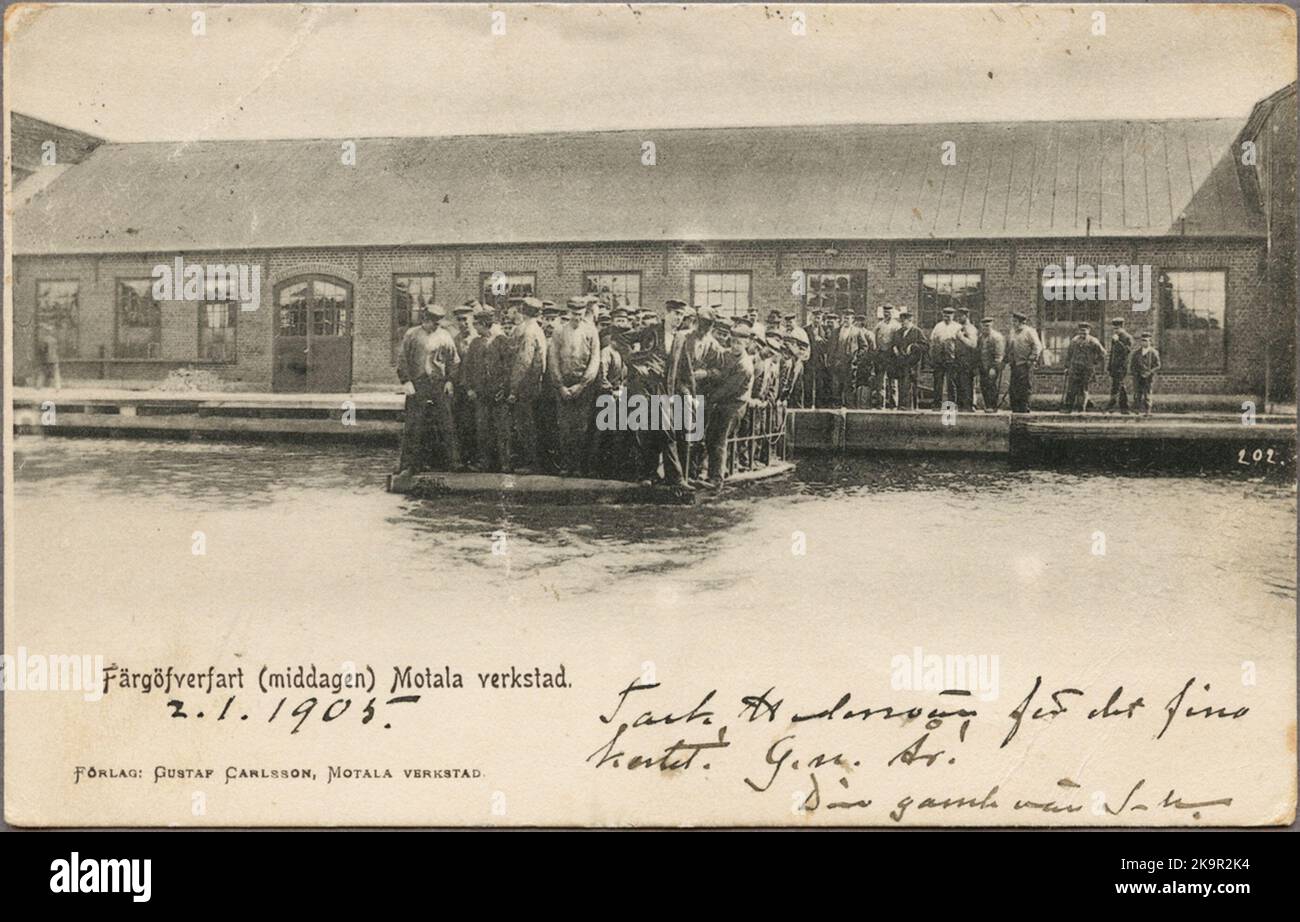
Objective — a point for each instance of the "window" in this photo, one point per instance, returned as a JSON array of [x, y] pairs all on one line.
[[616, 289], [949, 289], [1063, 303], [841, 292], [139, 321], [1193, 308], [218, 321], [56, 316], [411, 294], [728, 289], [497, 288], [317, 305]]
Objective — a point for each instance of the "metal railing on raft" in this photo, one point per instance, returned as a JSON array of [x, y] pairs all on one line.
[[762, 439]]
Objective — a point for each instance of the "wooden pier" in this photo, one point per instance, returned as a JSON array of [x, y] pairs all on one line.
[[361, 416], [377, 417], [1056, 437]]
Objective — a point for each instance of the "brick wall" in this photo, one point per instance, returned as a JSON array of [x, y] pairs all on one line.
[[1011, 271]]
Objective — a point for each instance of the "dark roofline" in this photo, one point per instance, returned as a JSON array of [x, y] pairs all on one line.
[[55, 125], [675, 242], [578, 133]]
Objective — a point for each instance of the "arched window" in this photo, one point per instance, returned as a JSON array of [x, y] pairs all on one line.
[[315, 305]]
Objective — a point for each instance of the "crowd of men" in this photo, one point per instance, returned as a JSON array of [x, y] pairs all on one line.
[[519, 393], [856, 365]]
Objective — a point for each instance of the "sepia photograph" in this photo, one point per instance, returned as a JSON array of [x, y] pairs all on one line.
[[654, 416]]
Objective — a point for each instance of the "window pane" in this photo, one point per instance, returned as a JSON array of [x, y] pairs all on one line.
[[411, 294], [1193, 310], [950, 289], [838, 291], [217, 324], [57, 318], [730, 290], [497, 288], [139, 321], [314, 306], [615, 289]]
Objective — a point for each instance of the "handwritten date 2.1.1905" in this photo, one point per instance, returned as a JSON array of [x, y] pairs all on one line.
[[302, 711]]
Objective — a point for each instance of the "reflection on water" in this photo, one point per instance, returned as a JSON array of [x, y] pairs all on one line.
[[308, 516]]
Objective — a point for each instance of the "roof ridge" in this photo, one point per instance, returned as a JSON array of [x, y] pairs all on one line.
[[581, 133]]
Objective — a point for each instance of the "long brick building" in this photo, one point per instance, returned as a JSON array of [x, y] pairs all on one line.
[[350, 237]]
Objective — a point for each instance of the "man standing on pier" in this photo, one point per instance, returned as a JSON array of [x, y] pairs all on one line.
[[1023, 351], [427, 366], [943, 359], [418, 389], [730, 396], [1082, 359], [1121, 347], [476, 368], [527, 371], [462, 406], [1144, 363], [908, 350], [886, 383], [992, 352], [572, 363], [968, 341]]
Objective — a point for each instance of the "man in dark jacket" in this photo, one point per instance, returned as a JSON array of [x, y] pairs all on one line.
[[908, 349], [1121, 347]]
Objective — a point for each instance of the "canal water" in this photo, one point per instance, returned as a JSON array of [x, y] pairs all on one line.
[[162, 521], [210, 555]]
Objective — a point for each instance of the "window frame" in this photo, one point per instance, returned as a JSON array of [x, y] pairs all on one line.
[[233, 308], [36, 333], [400, 331], [119, 283], [928, 325], [493, 302], [1098, 326], [1158, 322], [350, 298], [849, 272], [627, 272], [747, 273]]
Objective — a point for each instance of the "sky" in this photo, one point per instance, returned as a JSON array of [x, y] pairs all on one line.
[[139, 72]]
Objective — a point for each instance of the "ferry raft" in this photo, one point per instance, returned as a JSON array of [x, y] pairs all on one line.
[[761, 452], [554, 490]]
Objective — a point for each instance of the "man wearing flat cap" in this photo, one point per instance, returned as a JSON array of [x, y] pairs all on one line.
[[427, 366], [527, 374], [1121, 347], [1144, 363], [886, 381], [729, 397], [909, 349], [968, 338], [992, 356], [694, 371], [478, 388], [572, 364], [943, 358], [462, 406], [1083, 358], [1024, 349]]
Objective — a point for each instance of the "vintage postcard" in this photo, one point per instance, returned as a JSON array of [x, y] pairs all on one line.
[[649, 415]]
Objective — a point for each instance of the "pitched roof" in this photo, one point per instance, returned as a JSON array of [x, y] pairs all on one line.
[[1018, 179]]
